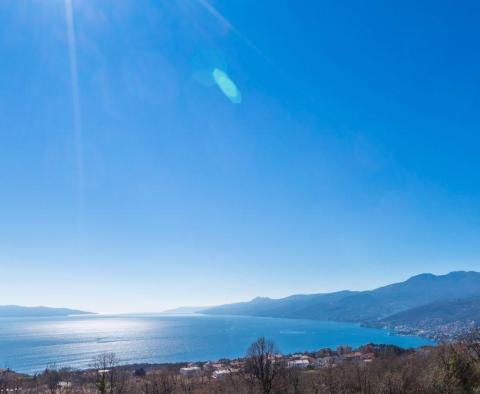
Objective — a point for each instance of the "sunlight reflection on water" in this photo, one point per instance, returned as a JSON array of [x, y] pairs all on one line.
[[29, 345]]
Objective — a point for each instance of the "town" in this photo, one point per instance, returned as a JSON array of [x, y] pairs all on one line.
[[108, 375], [307, 360]]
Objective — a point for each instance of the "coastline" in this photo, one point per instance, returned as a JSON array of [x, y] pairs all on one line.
[[149, 339], [318, 358]]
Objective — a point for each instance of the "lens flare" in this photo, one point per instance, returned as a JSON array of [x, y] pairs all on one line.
[[77, 120], [227, 86]]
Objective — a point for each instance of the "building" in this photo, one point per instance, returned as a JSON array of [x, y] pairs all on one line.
[[302, 363], [64, 385], [323, 362], [223, 373], [190, 372]]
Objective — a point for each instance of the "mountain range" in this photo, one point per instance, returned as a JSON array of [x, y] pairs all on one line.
[[37, 311], [434, 305], [425, 296]]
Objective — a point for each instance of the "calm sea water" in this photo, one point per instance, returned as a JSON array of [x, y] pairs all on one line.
[[30, 344]]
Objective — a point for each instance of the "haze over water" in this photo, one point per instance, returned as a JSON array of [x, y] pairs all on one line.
[[30, 344]]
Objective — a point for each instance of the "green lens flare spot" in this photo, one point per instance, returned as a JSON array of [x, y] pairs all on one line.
[[227, 86]]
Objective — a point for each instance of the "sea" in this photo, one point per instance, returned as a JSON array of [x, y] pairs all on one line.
[[30, 345]]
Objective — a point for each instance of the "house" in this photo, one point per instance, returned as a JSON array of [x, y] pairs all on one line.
[[190, 372], [325, 361], [302, 363], [223, 373]]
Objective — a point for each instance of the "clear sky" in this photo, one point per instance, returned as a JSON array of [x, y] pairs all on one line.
[[157, 153]]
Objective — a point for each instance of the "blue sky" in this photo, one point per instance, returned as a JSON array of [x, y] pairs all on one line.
[[336, 146]]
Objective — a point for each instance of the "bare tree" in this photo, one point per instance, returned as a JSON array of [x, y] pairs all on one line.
[[187, 385], [9, 382], [472, 341], [52, 378], [261, 363], [289, 380], [161, 383], [109, 378]]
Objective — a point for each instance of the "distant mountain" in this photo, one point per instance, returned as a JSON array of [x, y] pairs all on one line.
[[37, 311], [362, 306], [460, 311], [186, 309]]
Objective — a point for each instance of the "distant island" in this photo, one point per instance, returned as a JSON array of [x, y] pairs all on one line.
[[440, 307], [186, 309], [37, 311]]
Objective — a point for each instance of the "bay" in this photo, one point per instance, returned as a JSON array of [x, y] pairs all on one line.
[[31, 344]]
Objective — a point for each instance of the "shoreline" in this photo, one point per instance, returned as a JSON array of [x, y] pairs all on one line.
[[318, 358], [313, 336]]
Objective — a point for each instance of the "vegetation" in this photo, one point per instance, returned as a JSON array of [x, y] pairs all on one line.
[[452, 368], [464, 311], [366, 306]]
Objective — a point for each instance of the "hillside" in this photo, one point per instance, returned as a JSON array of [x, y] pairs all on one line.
[[362, 306], [38, 311], [465, 311]]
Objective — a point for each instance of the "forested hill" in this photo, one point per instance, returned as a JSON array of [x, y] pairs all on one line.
[[362, 306], [464, 311]]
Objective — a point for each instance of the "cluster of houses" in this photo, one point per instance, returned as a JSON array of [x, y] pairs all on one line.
[[330, 358], [218, 370], [321, 359]]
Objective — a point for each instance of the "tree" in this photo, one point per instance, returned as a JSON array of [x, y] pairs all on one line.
[[472, 341], [261, 363], [110, 379], [162, 382], [52, 378]]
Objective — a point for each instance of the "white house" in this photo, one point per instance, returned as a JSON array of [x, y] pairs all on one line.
[[298, 363], [190, 371]]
